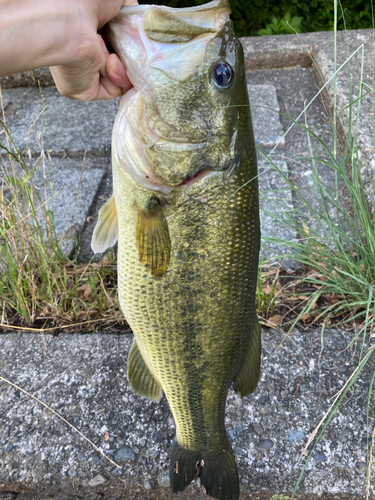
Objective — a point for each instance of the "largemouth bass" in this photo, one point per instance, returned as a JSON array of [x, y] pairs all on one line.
[[187, 251]]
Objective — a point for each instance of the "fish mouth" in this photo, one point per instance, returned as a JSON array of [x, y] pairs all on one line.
[[205, 172]]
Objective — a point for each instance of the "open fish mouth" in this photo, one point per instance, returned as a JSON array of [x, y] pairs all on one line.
[[205, 172], [163, 137]]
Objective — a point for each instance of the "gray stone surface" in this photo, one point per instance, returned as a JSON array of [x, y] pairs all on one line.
[[275, 203], [317, 50], [295, 86], [83, 378], [264, 112], [67, 187], [57, 124], [348, 90], [125, 453], [71, 192], [279, 51]]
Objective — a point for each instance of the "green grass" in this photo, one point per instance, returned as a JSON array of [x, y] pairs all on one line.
[[39, 285], [335, 241]]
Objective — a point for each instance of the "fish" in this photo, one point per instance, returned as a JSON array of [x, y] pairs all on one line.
[[187, 228]]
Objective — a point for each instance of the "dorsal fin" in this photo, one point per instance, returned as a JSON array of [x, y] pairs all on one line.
[[105, 233]]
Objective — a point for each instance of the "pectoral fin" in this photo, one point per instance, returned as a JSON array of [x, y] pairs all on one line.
[[140, 377], [247, 379], [105, 233], [153, 242]]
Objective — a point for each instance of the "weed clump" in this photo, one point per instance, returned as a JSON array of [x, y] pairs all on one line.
[[39, 285]]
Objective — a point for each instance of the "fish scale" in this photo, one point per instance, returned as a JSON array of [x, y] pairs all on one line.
[[185, 212], [204, 300]]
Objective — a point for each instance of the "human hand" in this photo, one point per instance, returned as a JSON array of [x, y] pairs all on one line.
[[91, 73]]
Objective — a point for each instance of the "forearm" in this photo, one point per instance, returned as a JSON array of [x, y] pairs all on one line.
[[36, 33]]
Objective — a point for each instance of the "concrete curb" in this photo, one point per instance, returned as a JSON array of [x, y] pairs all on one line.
[[317, 50], [83, 378]]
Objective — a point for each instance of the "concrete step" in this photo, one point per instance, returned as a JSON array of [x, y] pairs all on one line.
[[83, 379], [46, 121]]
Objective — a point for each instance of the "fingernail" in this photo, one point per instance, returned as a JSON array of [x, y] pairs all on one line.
[[120, 69]]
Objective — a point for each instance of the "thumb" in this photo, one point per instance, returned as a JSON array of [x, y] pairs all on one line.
[[116, 72]]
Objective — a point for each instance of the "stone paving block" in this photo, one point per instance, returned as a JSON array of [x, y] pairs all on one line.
[[78, 126], [275, 194], [83, 378], [275, 201], [68, 191], [317, 50], [347, 92], [268, 130], [73, 194], [66, 126]]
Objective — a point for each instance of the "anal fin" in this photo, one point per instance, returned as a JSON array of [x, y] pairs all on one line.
[[248, 377], [153, 242], [141, 379]]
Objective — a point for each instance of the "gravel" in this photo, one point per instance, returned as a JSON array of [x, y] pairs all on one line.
[[125, 453]]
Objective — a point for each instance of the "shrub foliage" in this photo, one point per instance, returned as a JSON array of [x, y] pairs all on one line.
[[251, 16]]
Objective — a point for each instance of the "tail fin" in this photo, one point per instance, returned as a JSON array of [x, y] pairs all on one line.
[[217, 470]]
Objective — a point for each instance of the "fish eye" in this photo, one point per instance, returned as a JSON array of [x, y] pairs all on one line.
[[222, 75]]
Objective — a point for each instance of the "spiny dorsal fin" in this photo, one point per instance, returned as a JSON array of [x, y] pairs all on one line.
[[247, 379], [153, 242], [105, 233], [140, 378]]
